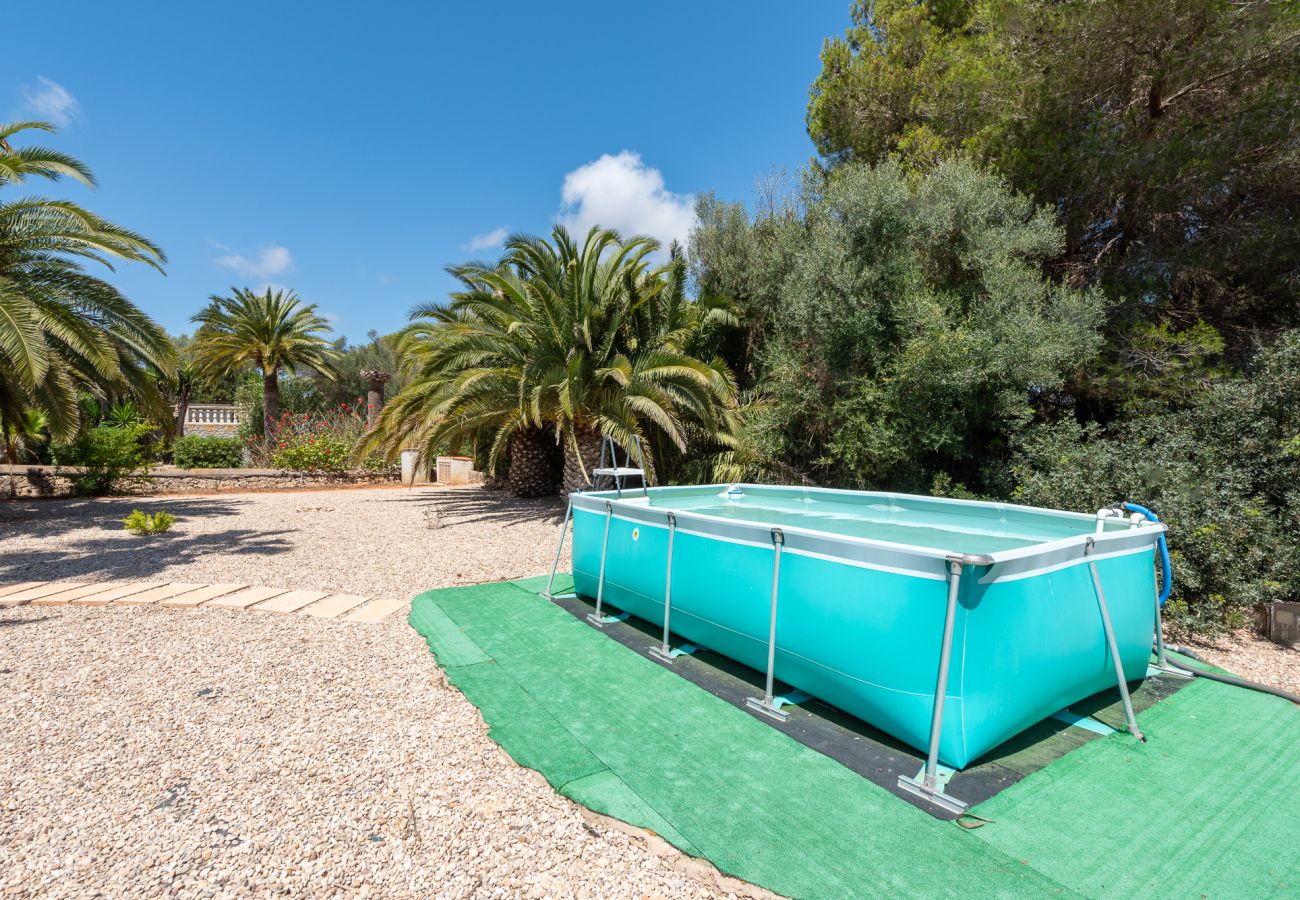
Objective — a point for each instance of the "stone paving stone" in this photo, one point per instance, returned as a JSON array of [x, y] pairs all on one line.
[[6, 589], [202, 595], [245, 599], [121, 589], [35, 593], [290, 602], [157, 594], [378, 610], [332, 607]]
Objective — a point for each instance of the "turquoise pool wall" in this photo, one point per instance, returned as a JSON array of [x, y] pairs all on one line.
[[868, 641]]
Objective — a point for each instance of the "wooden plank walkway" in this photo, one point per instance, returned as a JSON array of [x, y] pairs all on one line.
[[245, 599], [156, 595], [202, 595], [73, 592], [126, 589], [378, 610], [291, 602], [187, 595], [332, 607]]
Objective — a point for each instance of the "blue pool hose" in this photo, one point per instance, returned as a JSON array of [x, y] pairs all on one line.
[[1166, 567]]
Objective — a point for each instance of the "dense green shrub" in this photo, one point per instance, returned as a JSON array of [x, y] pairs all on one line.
[[1223, 474], [207, 452], [108, 457], [902, 326]]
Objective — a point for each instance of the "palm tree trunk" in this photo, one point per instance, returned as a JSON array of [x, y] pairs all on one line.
[[270, 403], [577, 469], [182, 407], [533, 463]]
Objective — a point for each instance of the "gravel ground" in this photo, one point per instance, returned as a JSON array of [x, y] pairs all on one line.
[[1253, 657], [153, 752], [369, 542]]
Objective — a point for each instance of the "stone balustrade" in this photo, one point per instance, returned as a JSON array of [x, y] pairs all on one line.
[[211, 419]]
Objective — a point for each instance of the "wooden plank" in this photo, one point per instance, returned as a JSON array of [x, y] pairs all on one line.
[[73, 592], [191, 599], [17, 586], [245, 599], [157, 594], [36, 593], [122, 589], [378, 610], [290, 602], [332, 607]]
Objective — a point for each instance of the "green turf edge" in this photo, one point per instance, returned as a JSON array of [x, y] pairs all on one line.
[[1197, 811], [859, 839]]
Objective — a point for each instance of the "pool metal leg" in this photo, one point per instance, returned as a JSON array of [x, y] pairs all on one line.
[[559, 550], [664, 653], [1120, 679], [928, 783], [597, 618], [767, 706]]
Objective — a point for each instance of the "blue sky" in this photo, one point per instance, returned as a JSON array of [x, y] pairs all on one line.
[[350, 152]]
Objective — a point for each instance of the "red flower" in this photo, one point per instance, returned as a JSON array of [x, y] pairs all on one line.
[[283, 445]]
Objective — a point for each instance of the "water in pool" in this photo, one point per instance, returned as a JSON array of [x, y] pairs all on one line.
[[954, 528]]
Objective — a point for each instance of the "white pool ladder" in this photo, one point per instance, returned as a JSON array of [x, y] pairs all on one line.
[[609, 467]]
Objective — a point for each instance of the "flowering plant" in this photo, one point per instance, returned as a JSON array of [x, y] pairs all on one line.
[[311, 441]]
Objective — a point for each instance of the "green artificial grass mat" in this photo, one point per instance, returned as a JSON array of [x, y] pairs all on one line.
[[1206, 808], [627, 737]]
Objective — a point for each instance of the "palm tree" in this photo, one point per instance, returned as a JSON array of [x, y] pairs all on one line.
[[581, 341], [63, 330], [273, 331]]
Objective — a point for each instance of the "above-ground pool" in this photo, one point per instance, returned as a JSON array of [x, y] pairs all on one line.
[[860, 584]]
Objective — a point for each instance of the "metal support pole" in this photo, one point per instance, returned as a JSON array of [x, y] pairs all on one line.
[[559, 550], [664, 652], [1120, 679], [766, 705], [927, 785], [596, 617]]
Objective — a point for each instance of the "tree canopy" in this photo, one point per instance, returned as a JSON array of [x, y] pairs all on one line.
[[1165, 133]]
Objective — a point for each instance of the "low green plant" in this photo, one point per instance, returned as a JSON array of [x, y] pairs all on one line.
[[106, 456], [140, 522], [204, 452]]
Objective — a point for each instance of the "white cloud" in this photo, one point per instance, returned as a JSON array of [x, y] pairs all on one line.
[[50, 101], [270, 259], [622, 192], [486, 241]]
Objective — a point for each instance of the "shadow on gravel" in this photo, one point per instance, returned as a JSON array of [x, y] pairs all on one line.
[[461, 508], [6, 623], [39, 517], [108, 557]]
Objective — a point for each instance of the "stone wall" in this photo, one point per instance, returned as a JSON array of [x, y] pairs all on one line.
[[53, 481]]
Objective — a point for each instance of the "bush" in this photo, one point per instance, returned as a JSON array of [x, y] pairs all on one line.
[[108, 456], [314, 442], [1221, 474], [325, 453], [907, 326], [201, 452], [140, 522]]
